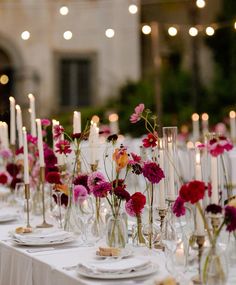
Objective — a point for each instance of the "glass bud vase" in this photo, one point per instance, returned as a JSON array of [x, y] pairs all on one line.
[[137, 233], [37, 202], [214, 266], [116, 232]]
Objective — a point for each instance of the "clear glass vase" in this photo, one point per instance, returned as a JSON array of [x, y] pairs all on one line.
[[137, 233], [98, 227], [214, 266], [37, 206], [116, 235]]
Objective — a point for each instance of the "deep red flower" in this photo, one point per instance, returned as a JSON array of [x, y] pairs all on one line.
[[14, 181], [153, 172], [150, 140], [82, 179], [218, 146], [58, 130], [63, 147], [184, 193], [230, 218], [20, 150], [193, 191], [178, 207], [53, 177], [13, 169], [121, 193], [49, 157], [134, 206], [3, 178], [102, 189]]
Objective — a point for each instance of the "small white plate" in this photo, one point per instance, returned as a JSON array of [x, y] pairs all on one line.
[[124, 253], [153, 268], [8, 218], [43, 243]]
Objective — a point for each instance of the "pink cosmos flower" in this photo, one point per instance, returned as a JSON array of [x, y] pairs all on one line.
[[63, 146], [80, 192], [218, 146], [32, 139], [58, 131], [153, 172], [5, 153], [94, 179], [136, 116], [178, 207], [45, 122]]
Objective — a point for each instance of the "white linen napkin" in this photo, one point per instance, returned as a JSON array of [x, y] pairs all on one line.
[[120, 266]]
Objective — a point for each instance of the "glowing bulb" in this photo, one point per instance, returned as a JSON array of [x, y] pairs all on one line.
[[133, 9], [109, 33], [198, 158], [190, 145], [95, 119], [146, 29], [195, 117], [205, 117], [67, 35], [172, 31], [193, 32], [200, 3], [235, 25], [232, 114], [64, 10], [4, 79], [25, 35], [113, 117], [210, 31]]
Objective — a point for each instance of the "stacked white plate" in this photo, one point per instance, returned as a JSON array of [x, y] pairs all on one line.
[[7, 215], [43, 237]]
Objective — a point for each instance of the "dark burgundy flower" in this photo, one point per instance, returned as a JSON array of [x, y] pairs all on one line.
[[82, 179], [53, 178], [121, 193], [153, 172], [20, 151], [50, 168], [76, 135], [14, 181], [150, 140], [13, 169], [214, 209], [230, 218], [137, 169], [112, 138], [49, 157], [178, 207], [102, 189], [118, 183], [3, 178], [64, 199], [134, 206], [63, 147], [58, 130]]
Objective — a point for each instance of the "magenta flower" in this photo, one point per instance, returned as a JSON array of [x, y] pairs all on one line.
[[94, 179], [230, 218], [136, 116], [218, 146], [153, 172], [135, 158], [178, 207], [32, 139], [45, 122], [225, 143], [58, 130], [80, 192], [82, 179], [63, 146], [102, 189]]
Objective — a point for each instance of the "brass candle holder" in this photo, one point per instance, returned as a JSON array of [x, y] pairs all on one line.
[[27, 197], [13, 149], [200, 243], [162, 214], [42, 182], [94, 166]]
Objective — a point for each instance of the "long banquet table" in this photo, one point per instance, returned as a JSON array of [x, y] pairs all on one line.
[[21, 265]]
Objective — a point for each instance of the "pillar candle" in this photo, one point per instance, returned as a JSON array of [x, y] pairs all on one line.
[[114, 125], [93, 143], [196, 132], [26, 160], [232, 117], [5, 135], [32, 114], [214, 180], [76, 122], [205, 122], [40, 143], [19, 125], [12, 121], [198, 175]]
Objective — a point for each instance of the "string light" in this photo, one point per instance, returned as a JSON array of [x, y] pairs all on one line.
[[146, 29], [193, 32], [67, 35], [4, 79], [235, 25], [109, 33], [133, 9], [64, 10], [172, 31], [25, 35], [200, 3], [210, 31]]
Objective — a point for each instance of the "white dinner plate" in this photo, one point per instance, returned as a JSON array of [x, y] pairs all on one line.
[[8, 218], [42, 243], [153, 268]]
